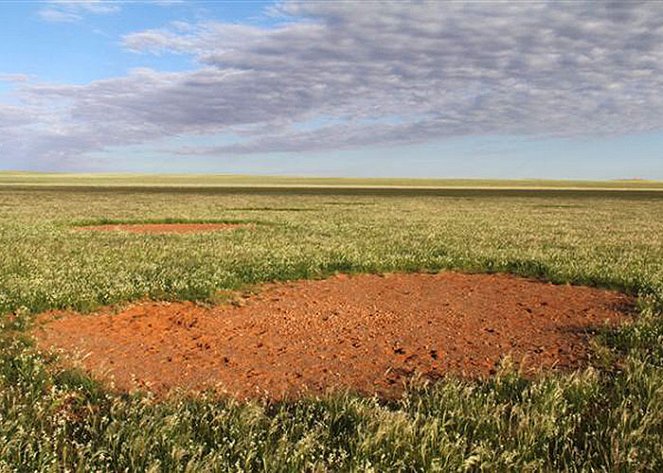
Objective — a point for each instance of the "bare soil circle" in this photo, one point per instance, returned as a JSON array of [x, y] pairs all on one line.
[[161, 227], [366, 333]]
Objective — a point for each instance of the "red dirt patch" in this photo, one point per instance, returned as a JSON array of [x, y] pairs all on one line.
[[368, 333], [161, 227]]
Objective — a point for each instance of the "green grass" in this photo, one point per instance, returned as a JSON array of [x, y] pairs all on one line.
[[606, 418], [170, 220]]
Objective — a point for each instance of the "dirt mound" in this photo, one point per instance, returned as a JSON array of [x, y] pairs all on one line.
[[161, 227], [368, 333]]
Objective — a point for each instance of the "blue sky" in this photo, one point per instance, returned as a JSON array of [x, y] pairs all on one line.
[[89, 48], [422, 89]]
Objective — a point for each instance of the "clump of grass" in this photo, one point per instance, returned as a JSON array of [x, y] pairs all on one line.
[[164, 220]]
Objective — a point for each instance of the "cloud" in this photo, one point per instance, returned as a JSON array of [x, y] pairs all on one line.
[[379, 73], [167, 3], [68, 11], [5, 77], [11, 117]]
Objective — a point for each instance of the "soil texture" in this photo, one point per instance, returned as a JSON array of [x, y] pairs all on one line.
[[366, 333]]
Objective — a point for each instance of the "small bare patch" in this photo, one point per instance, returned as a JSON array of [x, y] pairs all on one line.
[[162, 227], [367, 333]]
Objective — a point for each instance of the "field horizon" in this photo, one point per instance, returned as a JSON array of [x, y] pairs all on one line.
[[122, 179]]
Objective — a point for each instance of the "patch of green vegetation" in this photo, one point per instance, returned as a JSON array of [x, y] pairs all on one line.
[[272, 209], [166, 220], [605, 418]]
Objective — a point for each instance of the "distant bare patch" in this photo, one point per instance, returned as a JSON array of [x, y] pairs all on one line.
[[162, 227]]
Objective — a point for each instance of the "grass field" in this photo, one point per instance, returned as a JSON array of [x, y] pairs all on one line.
[[129, 180], [605, 418]]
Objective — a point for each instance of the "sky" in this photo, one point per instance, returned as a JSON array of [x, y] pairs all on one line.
[[565, 89]]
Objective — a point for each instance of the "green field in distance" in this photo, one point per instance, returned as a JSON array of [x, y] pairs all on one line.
[[211, 180]]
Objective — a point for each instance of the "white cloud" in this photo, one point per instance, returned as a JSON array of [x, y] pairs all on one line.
[[67, 11], [12, 117], [14, 77], [442, 68], [167, 3]]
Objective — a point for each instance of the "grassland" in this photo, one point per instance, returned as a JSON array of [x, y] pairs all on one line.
[[606, 418], [129, 180]]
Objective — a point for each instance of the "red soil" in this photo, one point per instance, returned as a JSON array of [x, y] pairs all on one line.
[[161, 227], [368, 333]]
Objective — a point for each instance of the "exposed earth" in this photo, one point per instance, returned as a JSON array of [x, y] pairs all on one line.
[[161, 227], [368, 333]]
